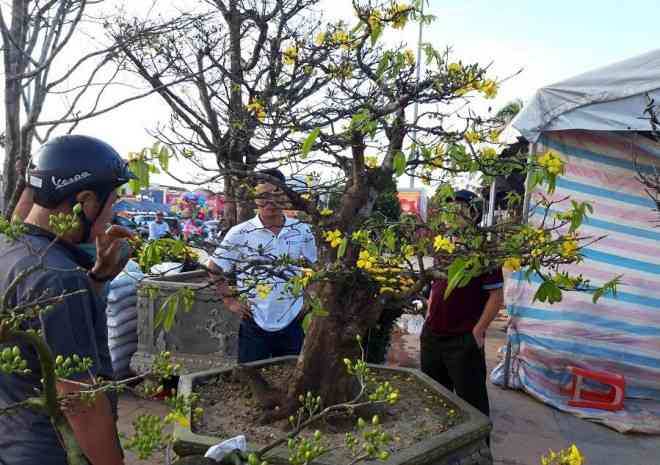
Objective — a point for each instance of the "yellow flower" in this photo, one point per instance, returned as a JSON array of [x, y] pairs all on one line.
[[320, 38], [569, 248], [365, 261], [409, 57], [472, 136], [290, 55], [257, 108], [552, 162], [375, 19], [489, 88], [454, 68], [511, 264], [494, 135], [442, 243], [326, 212], [340, 38], [263, 290], [399, 13], [489, 153], [371, 161], [333, 237]]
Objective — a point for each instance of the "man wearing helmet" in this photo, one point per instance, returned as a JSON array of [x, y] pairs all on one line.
[[453, 336], [80, 175]]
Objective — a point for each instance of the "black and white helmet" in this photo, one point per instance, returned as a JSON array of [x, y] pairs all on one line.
[[70, 164]]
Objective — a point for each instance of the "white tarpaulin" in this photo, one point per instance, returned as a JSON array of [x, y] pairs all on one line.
[[611, 98]]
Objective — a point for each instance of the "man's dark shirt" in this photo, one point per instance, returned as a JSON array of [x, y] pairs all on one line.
[[76, 326], [461, 311]]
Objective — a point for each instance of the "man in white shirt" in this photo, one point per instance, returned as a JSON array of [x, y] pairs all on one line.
[[270, 325], [158, 228]]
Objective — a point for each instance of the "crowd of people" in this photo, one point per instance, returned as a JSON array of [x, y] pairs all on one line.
[[80, 175]]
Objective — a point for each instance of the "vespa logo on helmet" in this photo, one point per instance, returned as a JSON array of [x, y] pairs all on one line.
[[61, 183]]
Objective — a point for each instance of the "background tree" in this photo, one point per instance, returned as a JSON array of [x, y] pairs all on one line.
[[40, 66], [252, 84]]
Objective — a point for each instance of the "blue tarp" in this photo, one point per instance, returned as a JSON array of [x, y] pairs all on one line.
[[139, 206]]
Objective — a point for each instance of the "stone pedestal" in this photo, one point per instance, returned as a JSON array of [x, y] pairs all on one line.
[[204, 337]]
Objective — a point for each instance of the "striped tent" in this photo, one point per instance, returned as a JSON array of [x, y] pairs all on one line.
[[594, 123]]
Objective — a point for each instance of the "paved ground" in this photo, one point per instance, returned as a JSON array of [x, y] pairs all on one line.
[[524, 429]]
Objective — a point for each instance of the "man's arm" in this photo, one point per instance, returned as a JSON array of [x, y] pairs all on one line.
[[491, 309], [93, 426]]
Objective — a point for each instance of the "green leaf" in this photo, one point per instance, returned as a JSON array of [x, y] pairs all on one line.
[[376, 32], [164, 157], [548, 291], [341, 251], [306, 322], [455, 274], [609, 287], [399, 163], [309, 141]]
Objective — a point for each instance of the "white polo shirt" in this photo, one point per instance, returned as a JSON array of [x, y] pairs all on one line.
[[251, 243], [158, 230]]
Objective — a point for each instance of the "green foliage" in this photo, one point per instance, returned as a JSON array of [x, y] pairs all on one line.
[[62, 224], [12, 230], [309, 141], [304, 450], [164, 250], [609, 288], [11, 361], [149, 436], [371, 442], [549, 292], [65, 367], [399, 164], [183, 298]]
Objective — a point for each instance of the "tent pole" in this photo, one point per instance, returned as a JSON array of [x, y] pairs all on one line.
[[528, 180], [491, 203], [525, 219]]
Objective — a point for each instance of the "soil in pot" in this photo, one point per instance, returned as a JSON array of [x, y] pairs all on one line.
[[230, 410]]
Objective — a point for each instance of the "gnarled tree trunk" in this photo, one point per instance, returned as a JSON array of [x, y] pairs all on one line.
[[352, 309]]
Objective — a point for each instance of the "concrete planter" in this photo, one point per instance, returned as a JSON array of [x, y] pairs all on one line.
[[463, 444], [204, 337]]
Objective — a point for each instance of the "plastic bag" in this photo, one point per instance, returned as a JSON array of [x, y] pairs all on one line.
[[218, 451]]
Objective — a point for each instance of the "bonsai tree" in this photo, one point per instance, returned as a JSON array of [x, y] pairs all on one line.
[[361, 132]]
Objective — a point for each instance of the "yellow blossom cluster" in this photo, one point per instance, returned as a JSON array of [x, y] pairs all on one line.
[[511, 264], [256, 107], [409, 57], [552, 162], [371, 161], [399, 13], [320, 38], [441, 243], [333, 237], [489, 153], [290, 55], [326, 212], [366, 261], [570, 456], [569, 248], [264, 290], [342, 38], [472, 136]]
